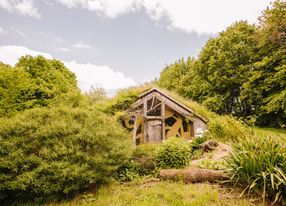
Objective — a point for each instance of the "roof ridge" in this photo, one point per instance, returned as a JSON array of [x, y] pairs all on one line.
[[178, 102]]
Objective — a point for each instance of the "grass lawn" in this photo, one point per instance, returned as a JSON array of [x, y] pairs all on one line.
[[161, 193], [269, 132]]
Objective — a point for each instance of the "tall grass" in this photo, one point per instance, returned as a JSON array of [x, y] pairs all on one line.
[[260, 165]]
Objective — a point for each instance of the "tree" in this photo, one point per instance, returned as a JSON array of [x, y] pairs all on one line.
[[36, 81], [51, 77], [170, 77], [223, 66], [241, 72], [16, 90], [265, 91]]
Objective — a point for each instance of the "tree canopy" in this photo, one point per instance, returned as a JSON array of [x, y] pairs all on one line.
[[241, 72], [34, 82]]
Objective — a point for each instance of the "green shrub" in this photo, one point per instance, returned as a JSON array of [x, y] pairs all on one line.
[[145, 156], [174, 153], [141, 163], [212, 164], [260, 163], [128, 171], [54, 153], [195, 144], [226, 128]]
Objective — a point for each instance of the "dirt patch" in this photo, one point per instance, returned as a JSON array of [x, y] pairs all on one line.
[[221, 151], [218, 153]]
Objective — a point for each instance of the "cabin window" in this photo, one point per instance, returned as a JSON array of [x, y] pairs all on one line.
[[154, 107], [185, 126], [132, 120], [138, 109], [170, 121]]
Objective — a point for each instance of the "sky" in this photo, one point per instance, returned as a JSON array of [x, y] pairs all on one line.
[[116, 43]]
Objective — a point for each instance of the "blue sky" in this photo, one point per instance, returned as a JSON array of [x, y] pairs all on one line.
[[116, 43]]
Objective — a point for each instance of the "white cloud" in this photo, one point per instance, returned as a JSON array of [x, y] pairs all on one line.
[[110, 8], [99, 76], [63, 49], [203, 16], [24, 7], [87, 74], [207, 15], [189, 15], [11, 53], [81, 45]]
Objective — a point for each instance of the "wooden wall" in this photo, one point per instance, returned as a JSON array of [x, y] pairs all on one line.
[[156, 118]]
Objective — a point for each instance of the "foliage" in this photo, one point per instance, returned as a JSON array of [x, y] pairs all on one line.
[[128, 171], [241, 72], [259, 163], [145, 156], [96, 94], [170, 76], [227, 129], [216, 76], [53, 153], [265, 91], [142, 163], [34, 82], [174, 153], [51, 77], [150, 192], [223, 65], [16, 90], [122, 101], [212, 164], [195, 144]]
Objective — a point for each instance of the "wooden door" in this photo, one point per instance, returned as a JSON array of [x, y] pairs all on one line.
[[154, 131]]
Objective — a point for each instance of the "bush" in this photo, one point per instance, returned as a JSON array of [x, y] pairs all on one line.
[[174, 153], [259, 163], [129, 171], [195, 144], [54, 153], [145, 156], [35, 82], [142, 163], [226, 128]]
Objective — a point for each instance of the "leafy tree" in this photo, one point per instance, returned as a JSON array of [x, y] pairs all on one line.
[[171, 75], [51, 77], [16, 90], [265, 91], [193, 86], [223, 66], [36, 81], [240, 72]]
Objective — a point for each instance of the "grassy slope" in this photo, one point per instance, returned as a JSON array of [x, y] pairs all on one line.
[[161, 193], [269, 132]]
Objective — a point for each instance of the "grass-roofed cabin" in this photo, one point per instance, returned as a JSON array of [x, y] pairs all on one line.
[[156, 116]]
